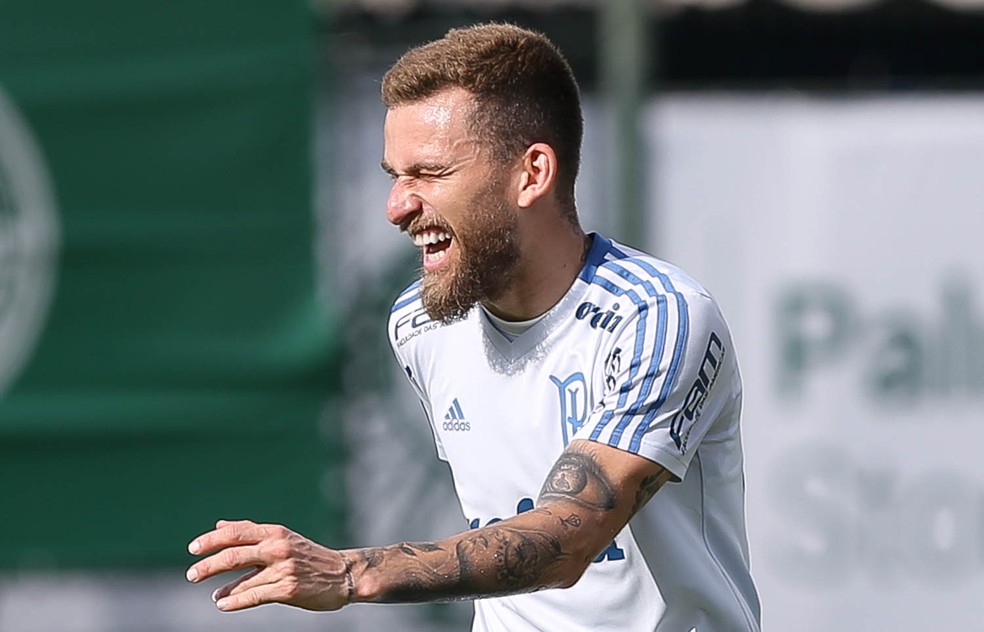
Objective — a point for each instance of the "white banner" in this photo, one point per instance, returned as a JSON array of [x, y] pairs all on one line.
[[845, 241]]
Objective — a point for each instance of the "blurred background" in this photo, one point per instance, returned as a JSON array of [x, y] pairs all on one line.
[[195, 272]]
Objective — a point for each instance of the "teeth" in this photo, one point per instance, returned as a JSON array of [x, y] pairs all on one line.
[[429, 237], [435, 256]]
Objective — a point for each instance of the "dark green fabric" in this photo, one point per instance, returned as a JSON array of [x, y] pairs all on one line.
[[185, 362]]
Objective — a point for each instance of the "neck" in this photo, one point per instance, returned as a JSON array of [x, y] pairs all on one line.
[[550, 262]]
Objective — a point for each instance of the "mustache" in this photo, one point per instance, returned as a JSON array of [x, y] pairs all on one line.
[[420, 223]]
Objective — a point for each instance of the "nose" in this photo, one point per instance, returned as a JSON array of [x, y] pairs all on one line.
[[401, 204]]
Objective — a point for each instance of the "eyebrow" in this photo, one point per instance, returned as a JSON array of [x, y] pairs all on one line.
[[416, 167]]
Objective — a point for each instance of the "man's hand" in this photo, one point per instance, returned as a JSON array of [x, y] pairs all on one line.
[[286, 567]]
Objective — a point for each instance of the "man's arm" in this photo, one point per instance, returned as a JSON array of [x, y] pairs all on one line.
[[588, 497]]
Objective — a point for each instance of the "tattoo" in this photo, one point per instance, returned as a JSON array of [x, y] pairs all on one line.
[[648, 488], [572, 520], [372, 557], [520, 556], [412, 548], [503, 558], [577, 477], [517, 559]]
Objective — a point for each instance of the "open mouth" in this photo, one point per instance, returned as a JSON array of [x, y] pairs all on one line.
[[434, 243]]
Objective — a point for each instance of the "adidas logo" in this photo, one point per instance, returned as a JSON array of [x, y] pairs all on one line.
[[454, 419]]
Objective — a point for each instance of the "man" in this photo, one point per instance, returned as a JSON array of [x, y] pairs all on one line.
[[566, 378]]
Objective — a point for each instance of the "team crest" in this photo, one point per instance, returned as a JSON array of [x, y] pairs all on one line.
[[573, 393], [613, 364]]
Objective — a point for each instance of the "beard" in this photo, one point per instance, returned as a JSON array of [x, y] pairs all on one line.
[[488, 251]]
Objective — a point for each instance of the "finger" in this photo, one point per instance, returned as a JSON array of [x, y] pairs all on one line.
[[245, 582], [229, 534], [251, 598], [230, 559]]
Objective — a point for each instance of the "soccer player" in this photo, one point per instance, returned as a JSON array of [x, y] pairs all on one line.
[[585, 395]]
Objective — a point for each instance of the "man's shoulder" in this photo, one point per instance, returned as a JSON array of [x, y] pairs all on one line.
[[625, 271], [407, 300]]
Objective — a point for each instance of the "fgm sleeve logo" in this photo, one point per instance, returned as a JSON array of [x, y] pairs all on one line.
[[28, 242], [573, 393], [693, 403]]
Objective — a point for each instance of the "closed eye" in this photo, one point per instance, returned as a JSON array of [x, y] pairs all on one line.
[[423, 171], [388, 170]]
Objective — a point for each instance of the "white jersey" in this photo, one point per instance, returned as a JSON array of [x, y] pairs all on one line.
[[638, 356]]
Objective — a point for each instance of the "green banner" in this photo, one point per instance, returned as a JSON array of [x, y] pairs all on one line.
[[164, 357]]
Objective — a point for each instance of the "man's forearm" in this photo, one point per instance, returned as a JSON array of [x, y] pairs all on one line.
[[577, 515], [523, 554]]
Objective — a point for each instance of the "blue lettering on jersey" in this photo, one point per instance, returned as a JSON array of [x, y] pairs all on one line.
[[415, 319], [573, 403], [612, 553], [418, 321], [693, 404], [597, 319]]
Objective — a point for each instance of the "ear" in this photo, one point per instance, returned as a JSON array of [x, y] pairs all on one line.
[[538, 175]]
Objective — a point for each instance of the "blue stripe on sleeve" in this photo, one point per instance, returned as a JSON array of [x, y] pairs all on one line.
[[683, 331], [655, 360], [639, 347], [402, 302]]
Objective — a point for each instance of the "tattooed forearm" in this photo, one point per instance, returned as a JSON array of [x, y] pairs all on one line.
[[488, 562], [578, 513], [648, 488], [577, 477], [520, 557]]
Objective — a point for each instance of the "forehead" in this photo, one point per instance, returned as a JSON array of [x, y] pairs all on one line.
[[431, 128]]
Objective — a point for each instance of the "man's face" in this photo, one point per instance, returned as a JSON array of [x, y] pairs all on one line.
[[450, 198]]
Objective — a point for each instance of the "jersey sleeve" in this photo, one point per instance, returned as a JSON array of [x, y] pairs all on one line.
[[403, 317], [425, 405], [668, 375]]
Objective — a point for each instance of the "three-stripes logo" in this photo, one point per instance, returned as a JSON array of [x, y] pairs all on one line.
[[454, 419]]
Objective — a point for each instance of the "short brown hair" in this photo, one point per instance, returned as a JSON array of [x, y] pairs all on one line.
[[523, 88]]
